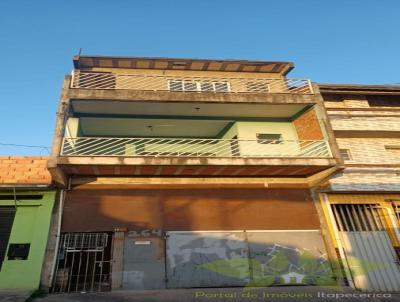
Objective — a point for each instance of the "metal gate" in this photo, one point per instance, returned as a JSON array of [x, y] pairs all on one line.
[[372, 260], [396, 208], [7, 215], [83, 263]]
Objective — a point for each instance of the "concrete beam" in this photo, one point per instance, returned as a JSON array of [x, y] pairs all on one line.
[[169, 182], [60, 179], [120, 160], [327, 127], [167, 96]]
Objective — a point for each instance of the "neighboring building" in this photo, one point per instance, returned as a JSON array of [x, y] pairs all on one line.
[[189, 173], [26, 203], [362, 203]]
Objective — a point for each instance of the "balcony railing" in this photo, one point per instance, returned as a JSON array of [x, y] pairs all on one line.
[[177, 147], [103, 80]]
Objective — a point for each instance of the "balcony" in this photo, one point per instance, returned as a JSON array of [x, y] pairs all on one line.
[[193, 84], [193, 157], [186, 148]]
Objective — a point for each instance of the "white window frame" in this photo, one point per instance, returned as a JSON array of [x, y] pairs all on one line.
[[348, 152], [266, 141], [198, 86]]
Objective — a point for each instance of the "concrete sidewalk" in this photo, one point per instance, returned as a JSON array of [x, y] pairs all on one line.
[[281, 294], [14, 296]]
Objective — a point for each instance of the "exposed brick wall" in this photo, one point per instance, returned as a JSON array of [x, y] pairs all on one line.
[[307, 126], [21, 170]]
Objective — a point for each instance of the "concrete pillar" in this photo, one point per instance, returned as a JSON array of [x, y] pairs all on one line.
[[117, 266], [46, 279]]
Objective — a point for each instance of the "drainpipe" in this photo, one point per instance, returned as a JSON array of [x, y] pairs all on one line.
[[53, 266], [15, 198]]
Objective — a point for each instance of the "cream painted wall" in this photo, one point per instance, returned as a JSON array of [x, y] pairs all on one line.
[[249, 130]]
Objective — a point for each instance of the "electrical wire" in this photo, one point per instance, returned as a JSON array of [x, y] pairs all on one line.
[[26, 146]]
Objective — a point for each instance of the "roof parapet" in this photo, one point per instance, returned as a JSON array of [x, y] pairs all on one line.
[[278, 67]]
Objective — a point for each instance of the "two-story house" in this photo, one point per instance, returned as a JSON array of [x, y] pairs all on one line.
[[362, 203], [189, 173]]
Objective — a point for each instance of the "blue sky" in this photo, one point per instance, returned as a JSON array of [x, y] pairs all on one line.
[[341, 41]]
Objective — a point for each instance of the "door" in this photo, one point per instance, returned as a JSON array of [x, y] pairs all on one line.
[[370, 255], [246, 258], [144, 263], [206, 259]]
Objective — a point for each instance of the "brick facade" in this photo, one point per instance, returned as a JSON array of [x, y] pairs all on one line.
[[307, 126], [19, 170]]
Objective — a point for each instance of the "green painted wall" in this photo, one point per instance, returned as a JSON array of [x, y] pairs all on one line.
[[249, 131], [31, 225], [232, 132]]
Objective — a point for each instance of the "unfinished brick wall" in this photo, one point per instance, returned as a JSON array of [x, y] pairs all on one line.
[[21, 170], [307, 126]]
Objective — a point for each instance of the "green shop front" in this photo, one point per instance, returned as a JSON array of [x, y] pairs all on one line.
[[24, 228]]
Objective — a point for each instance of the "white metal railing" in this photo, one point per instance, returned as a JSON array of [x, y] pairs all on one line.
[[107, 80], [186, 147]]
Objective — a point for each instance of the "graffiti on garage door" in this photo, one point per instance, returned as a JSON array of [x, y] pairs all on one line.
[[246, 258]]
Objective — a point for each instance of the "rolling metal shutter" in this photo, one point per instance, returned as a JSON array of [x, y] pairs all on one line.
[[7, 215]]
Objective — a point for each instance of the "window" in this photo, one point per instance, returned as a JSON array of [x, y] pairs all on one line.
[[257, 86], [267, 138], [345, 154], [204, 86], [189, 86], [221, 86], [175, 85], [383, 101], [18, 251]]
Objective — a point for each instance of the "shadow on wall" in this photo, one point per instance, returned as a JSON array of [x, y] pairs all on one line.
[[101, 209]]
